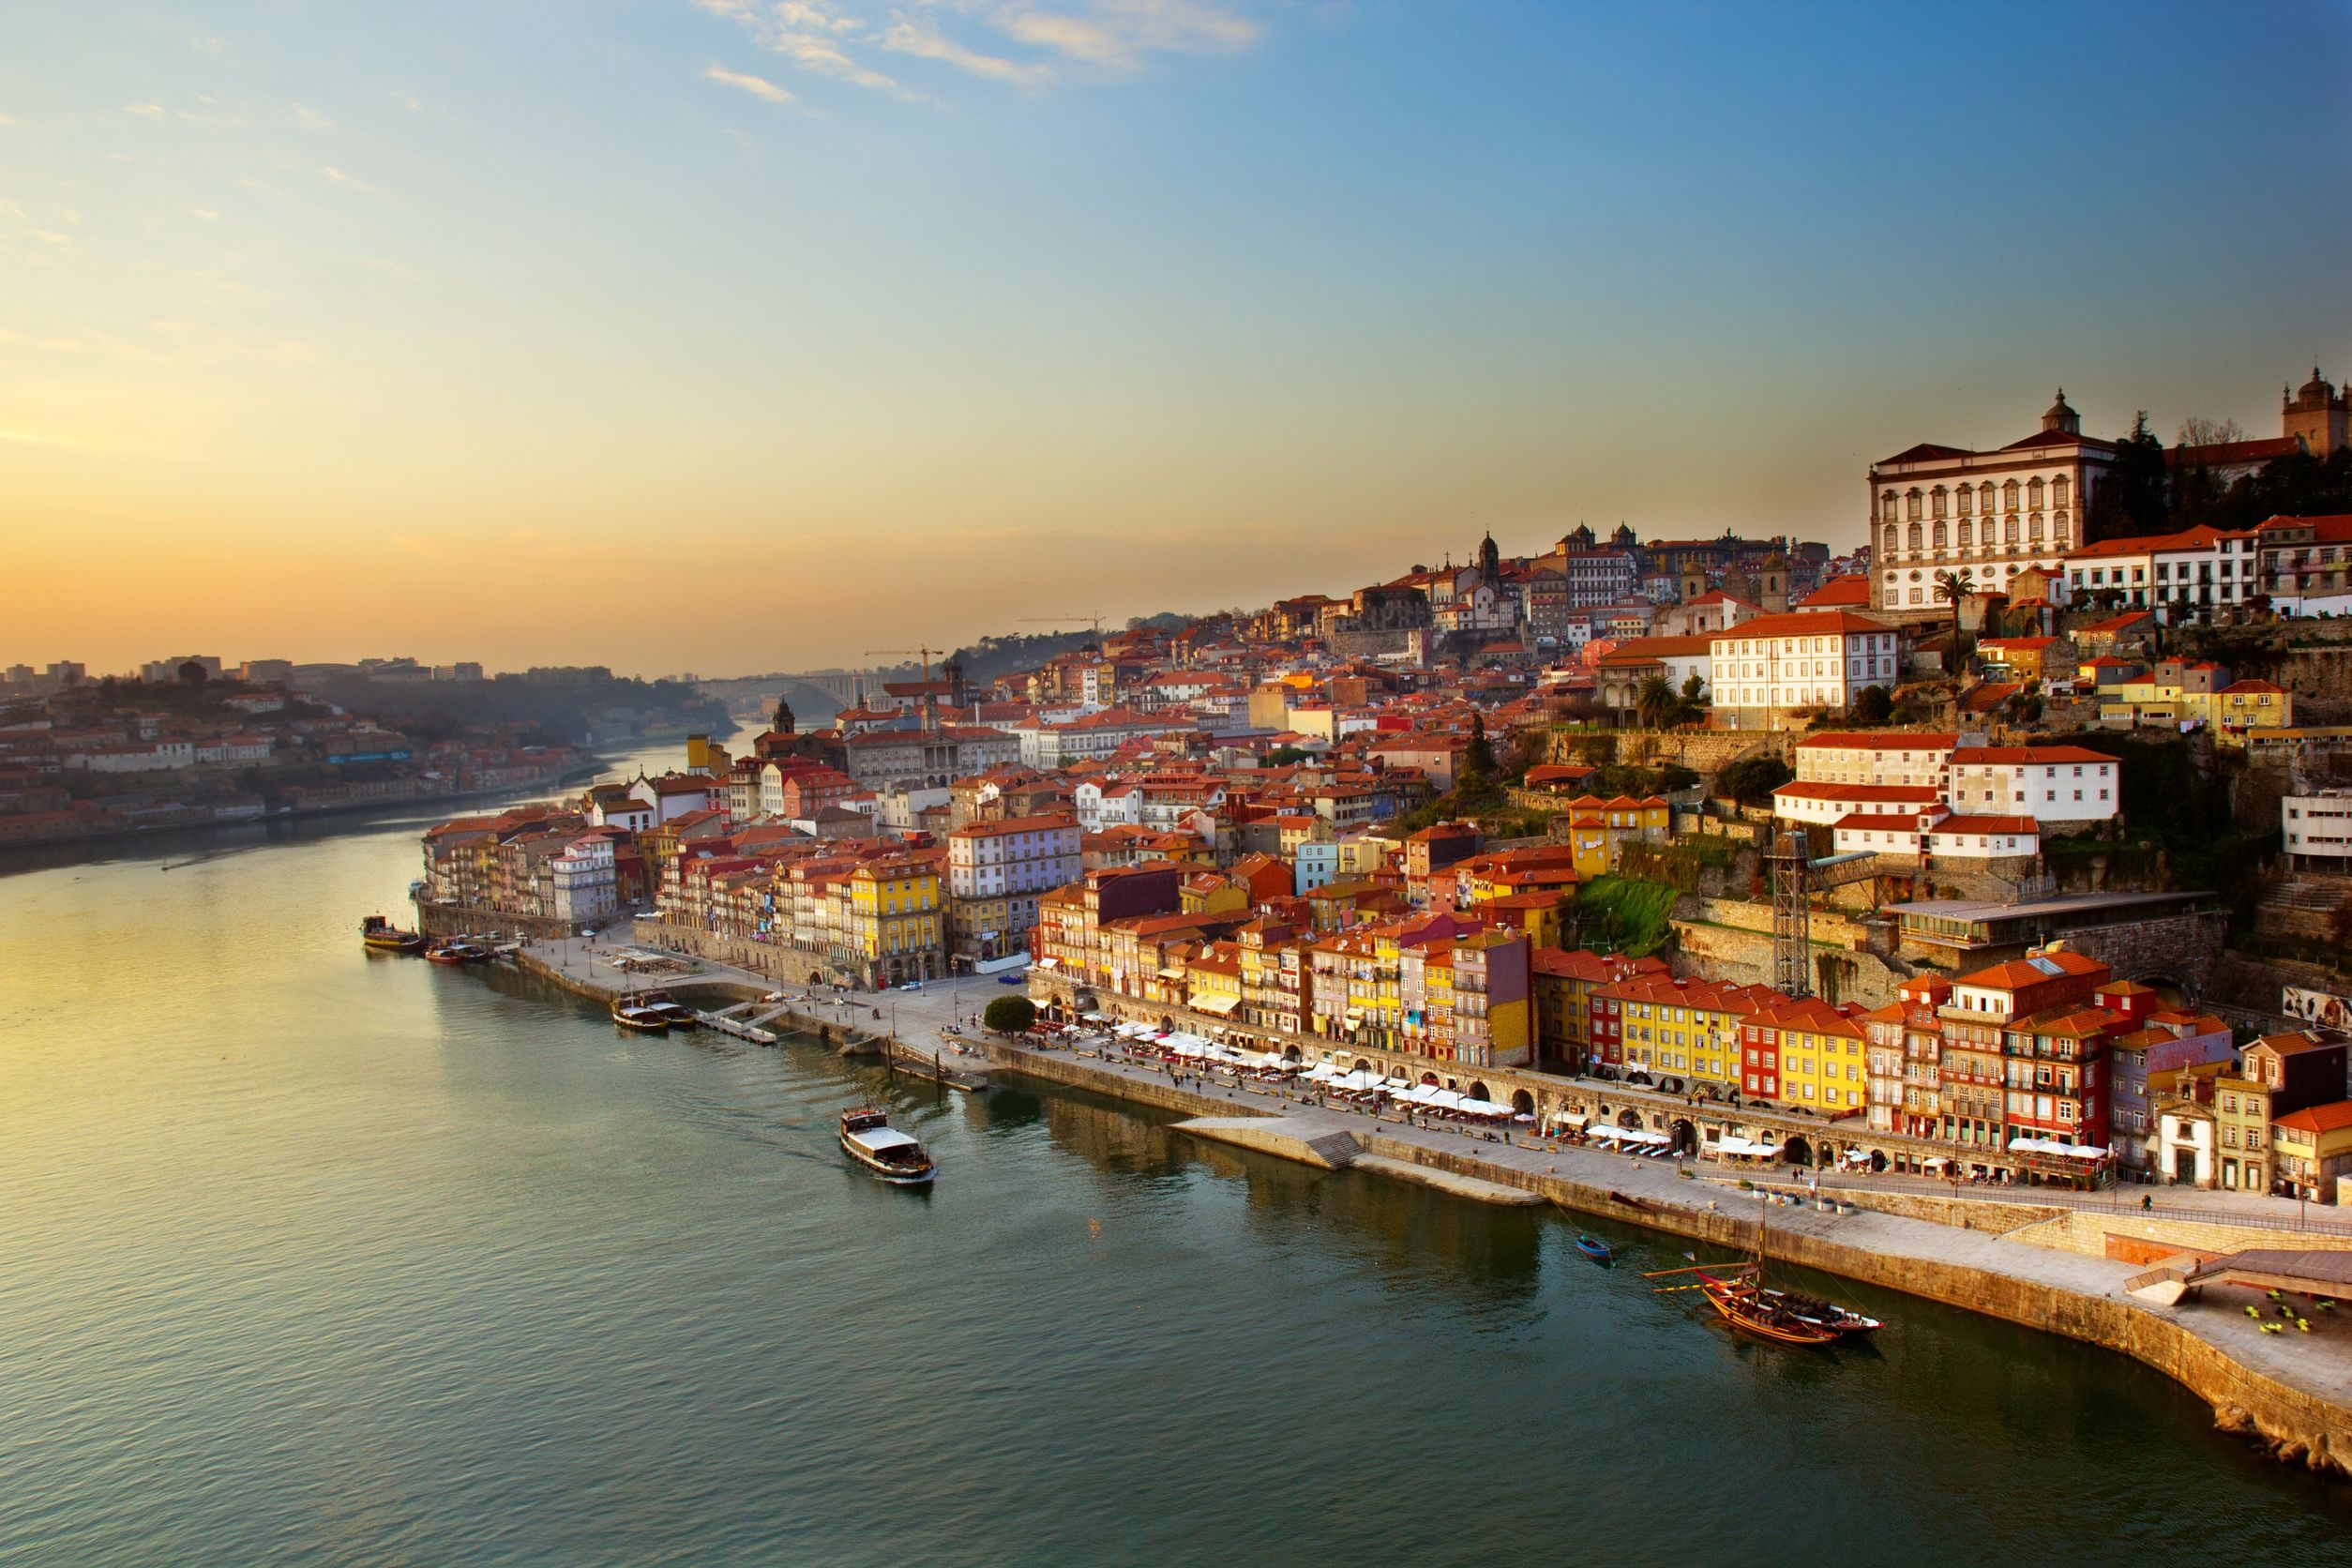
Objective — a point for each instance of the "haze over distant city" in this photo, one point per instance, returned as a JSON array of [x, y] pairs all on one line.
[[741, 335]]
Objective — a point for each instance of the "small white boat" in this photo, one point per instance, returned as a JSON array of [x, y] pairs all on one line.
[[896, 1157]]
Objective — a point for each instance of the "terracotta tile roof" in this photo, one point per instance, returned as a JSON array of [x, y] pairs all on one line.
[[1978, 755], [1801, 623], [1883, 740]]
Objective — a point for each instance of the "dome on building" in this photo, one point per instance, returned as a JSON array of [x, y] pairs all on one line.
[[2061, 416], [2316, 389]]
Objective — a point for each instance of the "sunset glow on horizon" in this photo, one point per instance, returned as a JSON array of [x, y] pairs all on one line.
[[600, 333]]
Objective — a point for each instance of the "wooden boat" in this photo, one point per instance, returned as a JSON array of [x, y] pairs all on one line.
[[675, 1013], [454, 953], [1594, 1248], [382, 936], [896, 1157], [1842, 1322], [644, 1020], [1742, 1305]]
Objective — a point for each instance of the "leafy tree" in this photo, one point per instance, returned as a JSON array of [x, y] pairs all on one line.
[[2131, 498], [1752, 781], [1283, 756], [1694, 702], [1009, 1015], [1873, 704]]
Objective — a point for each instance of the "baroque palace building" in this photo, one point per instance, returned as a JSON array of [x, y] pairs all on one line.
[[1987, 516]]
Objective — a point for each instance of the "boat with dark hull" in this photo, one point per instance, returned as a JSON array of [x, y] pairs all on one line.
[[630, 1015], [899, 1158]]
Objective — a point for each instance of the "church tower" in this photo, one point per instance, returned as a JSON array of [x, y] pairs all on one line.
[[2059, 417], [1489, 560], [2317, 415]]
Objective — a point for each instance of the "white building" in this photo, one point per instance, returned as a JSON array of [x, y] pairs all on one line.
[[1087, 738], [2318, 831], [1776, 664], [1903, 756], [1936, 834], [1829, 804], [2199, 569], [1985, 516], [2307, 564], [1018, 855], [585, 889], [2046, 783]]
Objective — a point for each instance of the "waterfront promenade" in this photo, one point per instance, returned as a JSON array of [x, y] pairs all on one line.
[[2294, 1389]]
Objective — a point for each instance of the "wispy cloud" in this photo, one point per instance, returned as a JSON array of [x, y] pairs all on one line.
[[1022, 43], [311, 118], [926, 42], [758, 86], [148, 110], [333, 176], [205, 213]]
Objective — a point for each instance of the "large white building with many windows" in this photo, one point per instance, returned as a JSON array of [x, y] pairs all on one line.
[[1983, 515], [1765, 669]]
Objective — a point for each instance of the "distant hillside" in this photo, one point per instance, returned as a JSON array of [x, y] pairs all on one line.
[[586, 714]]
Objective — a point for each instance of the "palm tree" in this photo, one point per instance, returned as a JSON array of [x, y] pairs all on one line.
[[1653, 705], [1953, 586]]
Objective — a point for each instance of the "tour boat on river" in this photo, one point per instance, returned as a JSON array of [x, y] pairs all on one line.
[[673, 1013], [896, 1157], [384, 937], [456, 953], [1753, 1311], [630, 1014]]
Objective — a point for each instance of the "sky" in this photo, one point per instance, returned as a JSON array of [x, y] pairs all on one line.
[[731, 336]]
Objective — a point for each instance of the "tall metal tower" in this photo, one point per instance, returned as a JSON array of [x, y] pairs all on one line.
[[1792, 861]]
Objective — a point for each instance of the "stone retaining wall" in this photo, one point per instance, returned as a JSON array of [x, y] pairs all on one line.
[[450, 920]]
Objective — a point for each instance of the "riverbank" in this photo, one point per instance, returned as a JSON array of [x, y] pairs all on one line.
[[2293, 1393]]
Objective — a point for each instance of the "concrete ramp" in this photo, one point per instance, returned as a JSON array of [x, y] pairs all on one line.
[[1476, 1188], [1287, 1138], [2168, 1282]]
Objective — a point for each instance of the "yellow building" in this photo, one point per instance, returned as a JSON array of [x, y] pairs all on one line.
[[897, 927], [1685, 1029], [2192, 694], [1822, 1063], [2313, 1150]]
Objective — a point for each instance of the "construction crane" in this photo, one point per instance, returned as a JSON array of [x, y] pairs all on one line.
[[1094, 620], [1796, 877], [923, 654]]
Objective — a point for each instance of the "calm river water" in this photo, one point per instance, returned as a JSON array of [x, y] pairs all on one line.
[[307, 1255]]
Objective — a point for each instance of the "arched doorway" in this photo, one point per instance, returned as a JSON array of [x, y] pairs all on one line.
[[1522, 1103], [1362, 1066], [1428, 1077], [1796, 1151], [1167, 1024], [1686, 1137], [1477, 1091], [1290, 1054], [1630, 1119], [1877, 1161]]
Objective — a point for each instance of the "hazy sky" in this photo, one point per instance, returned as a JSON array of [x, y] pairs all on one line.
[[740, 335]]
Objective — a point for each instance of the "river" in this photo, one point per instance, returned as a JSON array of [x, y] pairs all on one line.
[[317, 1256]]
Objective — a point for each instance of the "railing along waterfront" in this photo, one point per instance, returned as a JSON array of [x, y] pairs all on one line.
[[2119, 1201]]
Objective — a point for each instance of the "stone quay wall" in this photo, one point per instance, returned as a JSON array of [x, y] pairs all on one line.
[[450, 920]]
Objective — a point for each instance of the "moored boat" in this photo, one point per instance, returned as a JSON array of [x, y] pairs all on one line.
[[899, 1158], [1747, 1308], [1596, 1248], [384, 937], [629, 1015], [674, 1013], [454, 953]]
